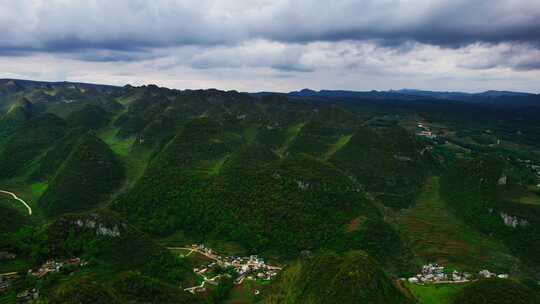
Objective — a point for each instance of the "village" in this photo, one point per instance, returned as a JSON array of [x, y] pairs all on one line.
[[531, 166], [425, 131], [244, 268], [435, 274], [51, 266]]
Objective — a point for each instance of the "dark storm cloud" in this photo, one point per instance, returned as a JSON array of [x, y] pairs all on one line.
[[275, 44], [126, 25]]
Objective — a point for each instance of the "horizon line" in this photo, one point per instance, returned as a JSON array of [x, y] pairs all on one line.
[[276, 92]]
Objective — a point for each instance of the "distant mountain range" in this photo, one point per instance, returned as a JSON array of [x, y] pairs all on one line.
[[491, 96], [410, 94], [21, 84]]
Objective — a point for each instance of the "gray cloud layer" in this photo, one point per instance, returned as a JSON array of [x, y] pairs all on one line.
[[122, 25], [276, 44]]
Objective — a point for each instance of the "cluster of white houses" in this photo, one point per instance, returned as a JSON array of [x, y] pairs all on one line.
[[436, 274], [54, 266], [6, 280], [531, 166], [50, 266], [425, 131], [246, 268]]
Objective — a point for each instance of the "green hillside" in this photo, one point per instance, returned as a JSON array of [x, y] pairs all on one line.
[[329, 278], [89, 174], [344, 193], [289, 205], [389, 163], [495, 291], [27, 142], [123, 265], [438, 235], [90, 117], [49, 163], [473, 191], [17, 115]]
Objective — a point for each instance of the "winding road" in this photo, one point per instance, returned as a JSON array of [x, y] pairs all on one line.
[[15, 197]]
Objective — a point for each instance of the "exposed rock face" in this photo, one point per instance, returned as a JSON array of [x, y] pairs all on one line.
[[513, 221], [101, 229]]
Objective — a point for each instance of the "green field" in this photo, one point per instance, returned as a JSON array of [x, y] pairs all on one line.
[[121, 147], [38, 189], [437, 235], [435, 294]]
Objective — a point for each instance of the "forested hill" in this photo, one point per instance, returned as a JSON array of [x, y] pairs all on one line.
[[374, 179]]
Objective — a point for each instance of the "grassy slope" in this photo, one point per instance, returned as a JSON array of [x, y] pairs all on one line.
[[435, 294], [120, 146], [340, 143], [438, 235], [292, 132]]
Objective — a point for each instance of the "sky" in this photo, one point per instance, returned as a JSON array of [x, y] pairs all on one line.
[[276, 45]]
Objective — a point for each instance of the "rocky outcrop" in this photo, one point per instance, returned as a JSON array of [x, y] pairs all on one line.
[[101, 228]]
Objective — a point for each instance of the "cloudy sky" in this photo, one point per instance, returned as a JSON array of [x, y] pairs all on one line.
[[278, 45]]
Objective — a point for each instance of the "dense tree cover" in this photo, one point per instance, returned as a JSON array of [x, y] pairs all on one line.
[[172, 184], [11, 221], [243, 173], [136, 288], [49, 163], [381, 241], [88, 175], [293, 204], [353, 277], [255, 198], [90, 117], [123, 265], [18, 114], [104, 239], [323, 130], [496, 291], [122, 288], [277, 175], [390, 163], [472, 189], [28, 142], [83, 291]]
